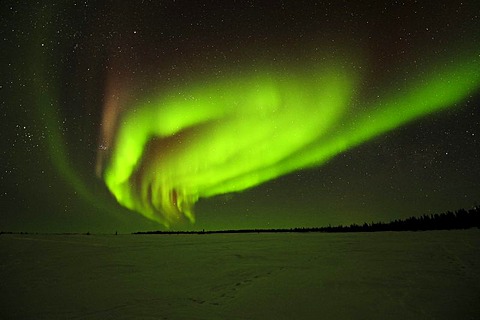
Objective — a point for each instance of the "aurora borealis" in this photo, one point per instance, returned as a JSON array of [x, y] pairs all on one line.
[[157, 107], [237, 133]]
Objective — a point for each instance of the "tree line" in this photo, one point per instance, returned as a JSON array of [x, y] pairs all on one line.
[[460, 219]]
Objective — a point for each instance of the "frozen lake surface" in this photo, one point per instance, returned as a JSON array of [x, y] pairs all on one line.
[[388, 275]]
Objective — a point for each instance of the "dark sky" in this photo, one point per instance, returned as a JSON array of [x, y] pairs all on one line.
[[62, 61]]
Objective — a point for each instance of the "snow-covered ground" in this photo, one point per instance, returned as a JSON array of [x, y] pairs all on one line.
[[408, 275]]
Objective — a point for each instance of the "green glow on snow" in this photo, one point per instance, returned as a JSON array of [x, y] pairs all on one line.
[[227, 135]]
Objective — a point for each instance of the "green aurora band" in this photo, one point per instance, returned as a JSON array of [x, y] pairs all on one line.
[[226, 135], [46, 93]]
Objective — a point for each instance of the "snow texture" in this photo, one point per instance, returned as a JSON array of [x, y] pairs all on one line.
[[387, 275]]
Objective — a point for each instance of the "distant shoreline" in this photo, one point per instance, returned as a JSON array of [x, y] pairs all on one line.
[[458, 220], [239, 231]]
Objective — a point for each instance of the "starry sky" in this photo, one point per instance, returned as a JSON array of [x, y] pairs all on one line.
[[137, 115]]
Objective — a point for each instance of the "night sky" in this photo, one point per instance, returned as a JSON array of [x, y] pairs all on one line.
[[131, 116]]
